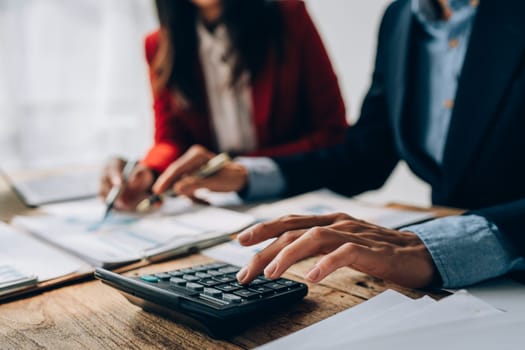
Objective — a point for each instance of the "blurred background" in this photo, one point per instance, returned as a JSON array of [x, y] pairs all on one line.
[[74, 85]]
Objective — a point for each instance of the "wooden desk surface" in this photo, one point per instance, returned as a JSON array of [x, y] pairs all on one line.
[[90, 315]]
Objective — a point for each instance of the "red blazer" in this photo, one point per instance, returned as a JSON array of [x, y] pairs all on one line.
[[297, 103]]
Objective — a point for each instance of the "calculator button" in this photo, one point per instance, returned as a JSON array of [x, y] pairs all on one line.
[[287, 283], [263, 290], [202, 275], [212, 292], [209, 282], [149, 278], [224, 279], [264, 278], [216, 266], [191, 278], [176, 273], [187, 270], [229, 269], [178, 281], [276, 286], [214, 273], [199, 268], [227, 288], [247, 294], [163, 276], [194, 286], [257, 281], [232, 298]]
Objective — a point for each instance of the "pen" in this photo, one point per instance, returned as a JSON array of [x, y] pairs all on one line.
[[211, 167], [116, 190]]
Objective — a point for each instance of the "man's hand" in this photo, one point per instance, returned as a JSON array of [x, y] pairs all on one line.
[[178, 176], [392, 255], [136, 188]]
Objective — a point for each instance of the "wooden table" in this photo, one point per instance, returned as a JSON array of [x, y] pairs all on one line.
[[90, 315]]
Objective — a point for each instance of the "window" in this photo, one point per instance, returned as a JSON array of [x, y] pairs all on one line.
[[73, 80]]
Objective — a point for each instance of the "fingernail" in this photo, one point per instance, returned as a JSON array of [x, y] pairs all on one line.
[[245, 237], [270, 269], [313, 274], [241, 275]]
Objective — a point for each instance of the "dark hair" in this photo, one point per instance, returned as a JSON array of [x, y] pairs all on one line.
[[255, 27]]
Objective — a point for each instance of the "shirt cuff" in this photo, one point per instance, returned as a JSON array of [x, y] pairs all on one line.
[[467, 249], [265, 180]]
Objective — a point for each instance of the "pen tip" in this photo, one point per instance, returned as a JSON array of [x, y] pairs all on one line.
[[144, 205]]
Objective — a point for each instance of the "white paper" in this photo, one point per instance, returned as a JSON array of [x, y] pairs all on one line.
[[501, 331], [459, 307], [502, 293], [32, 257], [326, 202], [78, 227], [388, 315], [318, 335]]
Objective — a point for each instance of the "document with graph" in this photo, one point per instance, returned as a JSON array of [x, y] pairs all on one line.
[[123, 238]]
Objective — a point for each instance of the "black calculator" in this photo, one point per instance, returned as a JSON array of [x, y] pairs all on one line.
[[207, 297]]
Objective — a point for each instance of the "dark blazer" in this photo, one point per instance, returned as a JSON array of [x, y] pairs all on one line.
[[484, 160], [297, 103]]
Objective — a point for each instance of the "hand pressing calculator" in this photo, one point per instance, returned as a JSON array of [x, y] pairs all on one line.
[[207, 297]]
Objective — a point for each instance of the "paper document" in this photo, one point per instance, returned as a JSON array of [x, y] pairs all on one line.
[[123, 238], [326, 202], [30, 256], [385, 317]]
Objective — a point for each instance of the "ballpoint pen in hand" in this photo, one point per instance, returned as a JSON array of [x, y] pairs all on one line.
[[115, 191], [211, 167]]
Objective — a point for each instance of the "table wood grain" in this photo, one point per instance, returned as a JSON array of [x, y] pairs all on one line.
[[91, 315]]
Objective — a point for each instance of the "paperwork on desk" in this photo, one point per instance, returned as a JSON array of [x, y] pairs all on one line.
[[25, 261], [314, 203], [394, 321], [124, 238]]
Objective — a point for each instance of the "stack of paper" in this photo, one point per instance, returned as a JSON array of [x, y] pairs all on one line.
[[393, 321], [25, 257]]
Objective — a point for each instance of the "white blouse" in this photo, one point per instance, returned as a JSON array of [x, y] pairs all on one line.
[[230, 106]]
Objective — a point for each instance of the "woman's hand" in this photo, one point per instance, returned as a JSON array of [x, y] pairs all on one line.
[[178, 176], [400, 257], [137, 186]]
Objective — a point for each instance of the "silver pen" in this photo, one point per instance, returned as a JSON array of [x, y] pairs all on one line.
[[115, 191]]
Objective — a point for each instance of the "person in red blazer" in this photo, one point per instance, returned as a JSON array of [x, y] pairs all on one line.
[[278, 64]]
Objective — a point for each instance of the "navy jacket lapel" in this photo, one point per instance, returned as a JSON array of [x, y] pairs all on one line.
[[496, 48], [397, 70], [397, 80]]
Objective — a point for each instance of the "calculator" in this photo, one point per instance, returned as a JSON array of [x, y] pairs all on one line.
[[207, 297]]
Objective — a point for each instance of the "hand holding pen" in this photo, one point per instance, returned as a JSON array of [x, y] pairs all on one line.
[[197, 168], [185, 175], [134, 186]]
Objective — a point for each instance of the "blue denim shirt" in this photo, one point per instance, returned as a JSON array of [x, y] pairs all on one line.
[[465, 249]]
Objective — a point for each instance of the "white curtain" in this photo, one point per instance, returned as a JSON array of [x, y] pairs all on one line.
[[73, 80]]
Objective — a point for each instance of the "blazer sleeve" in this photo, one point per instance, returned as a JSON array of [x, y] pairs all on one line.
[[169, 132], [366, 157], [510, 220], [322, 94]]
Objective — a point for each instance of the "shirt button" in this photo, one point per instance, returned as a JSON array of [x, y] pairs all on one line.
[[448, 104], [453, 43]]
